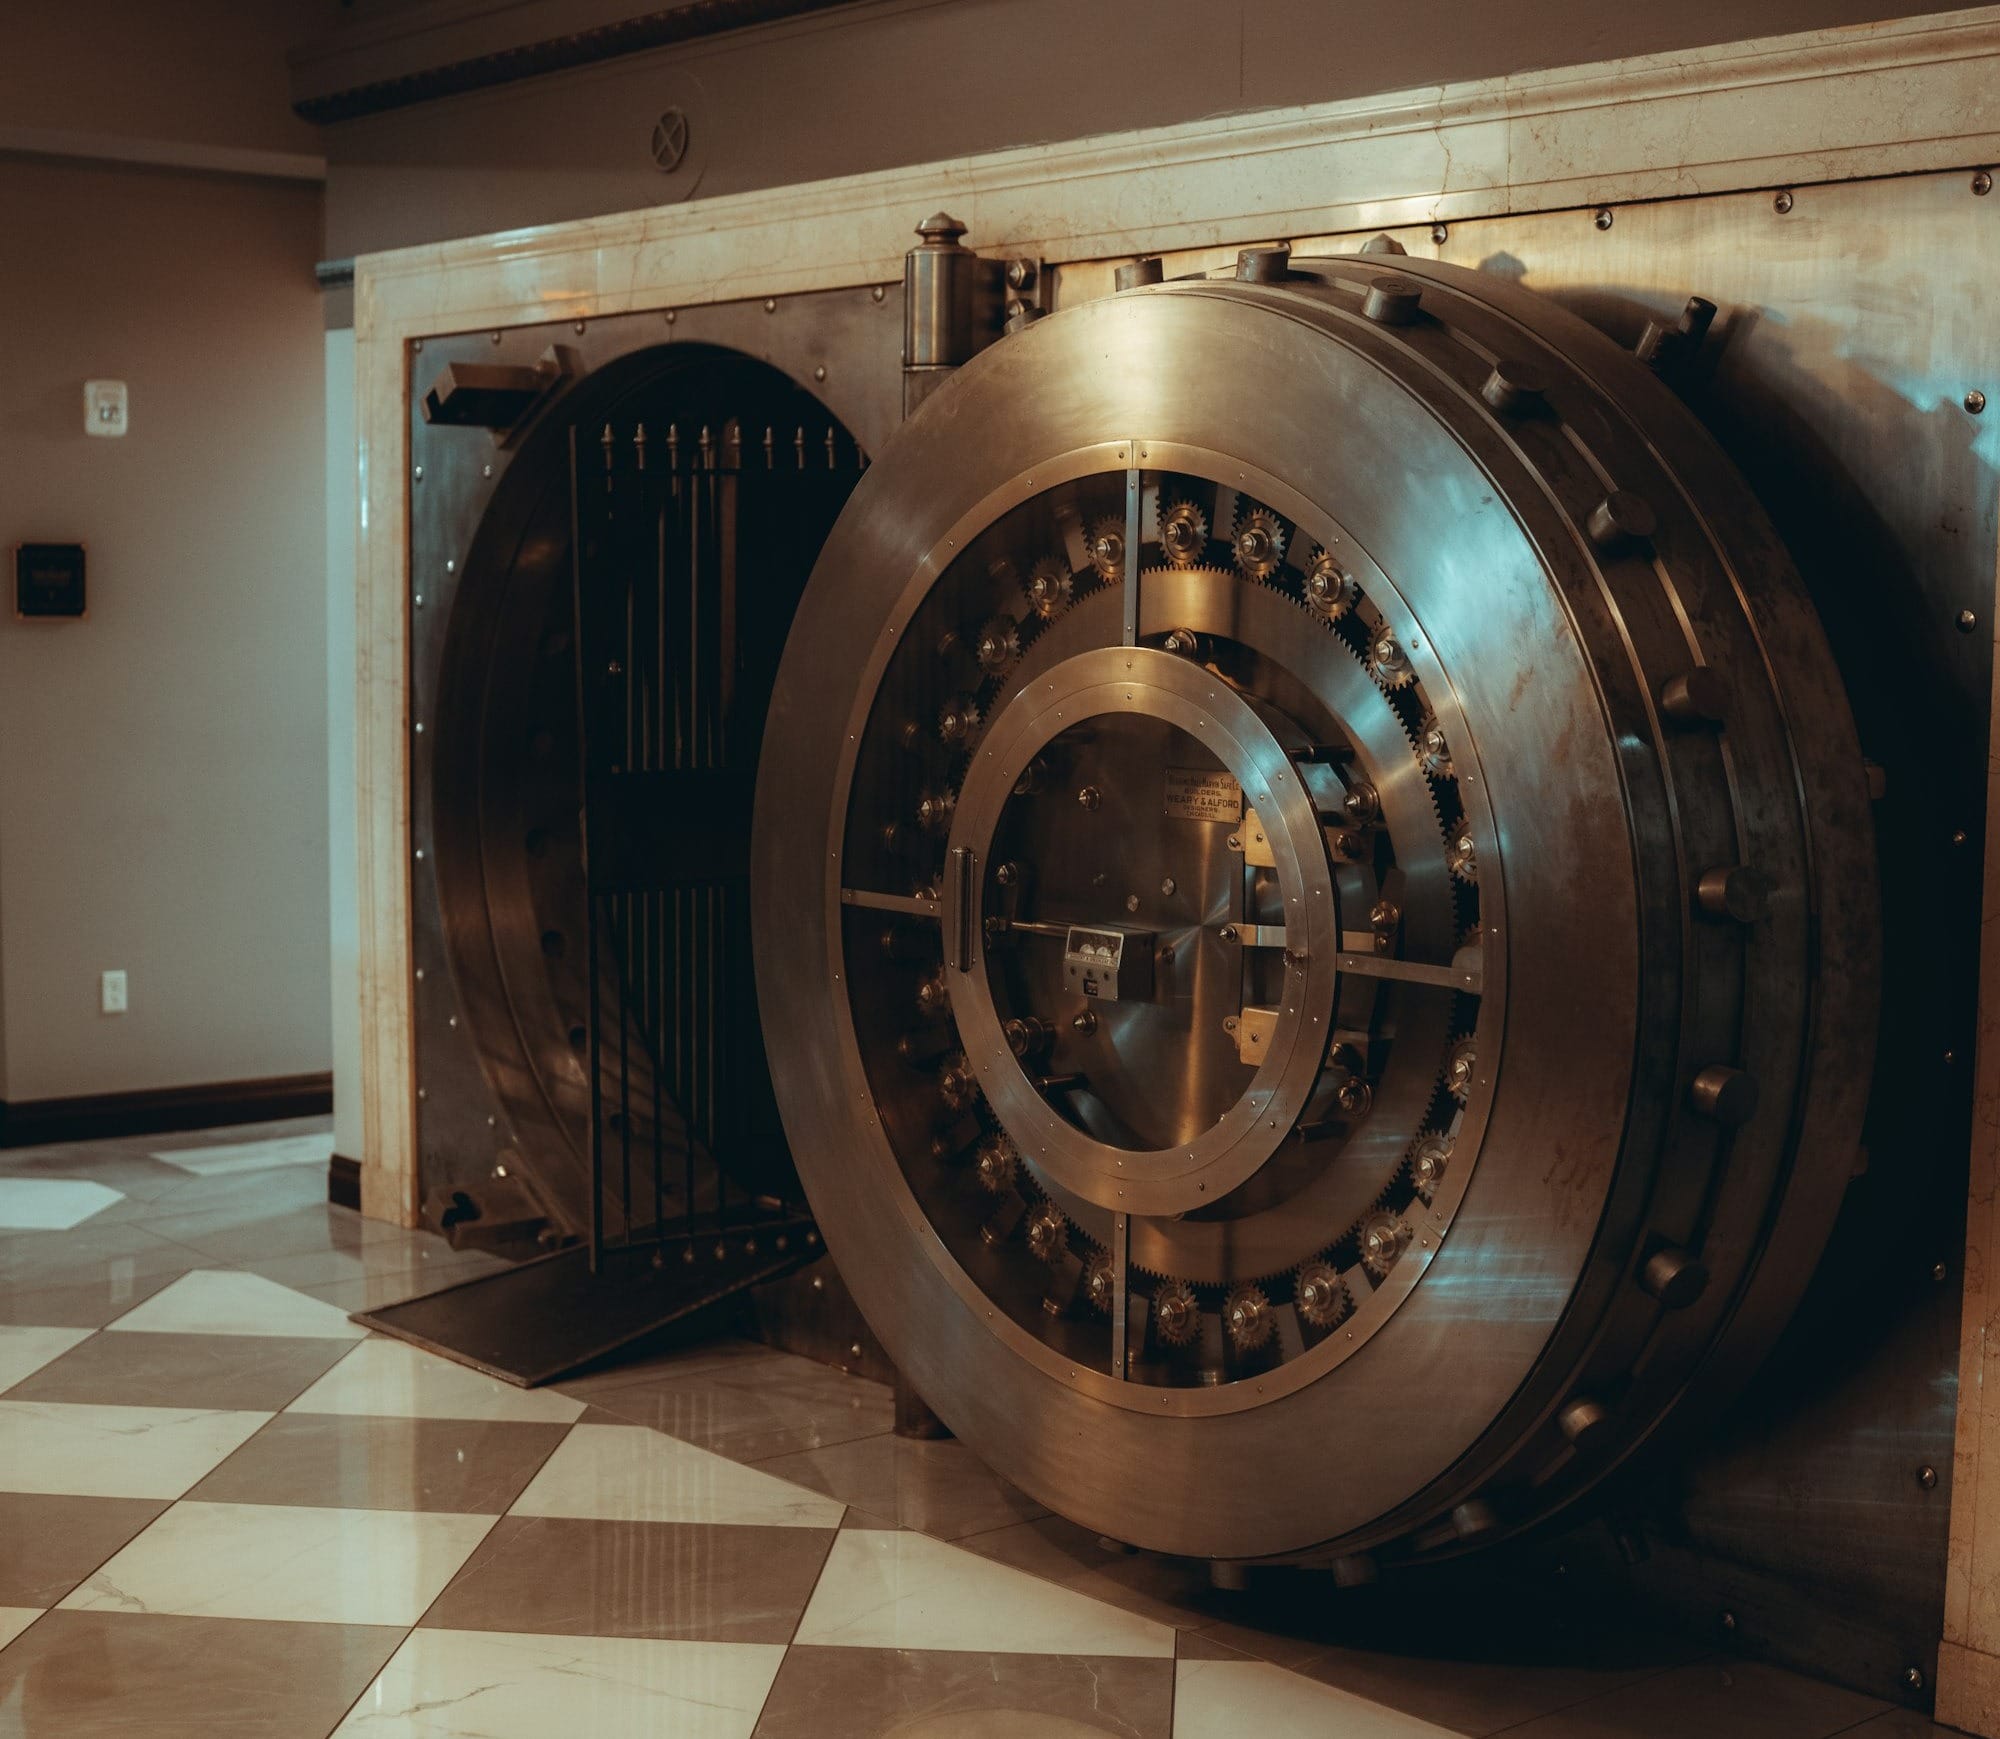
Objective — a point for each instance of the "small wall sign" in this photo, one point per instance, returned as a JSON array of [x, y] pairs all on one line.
[[48, 581]]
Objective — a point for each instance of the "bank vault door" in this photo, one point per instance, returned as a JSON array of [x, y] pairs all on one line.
[[613, 524]]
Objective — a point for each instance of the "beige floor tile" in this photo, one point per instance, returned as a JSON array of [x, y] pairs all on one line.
[[49, 1544], [625, 1473], [391, 1379], [79, 1298], [1221, 1699], [72, 1450], [117, 1675], [448, 1684], [271, 1561], [224, 1301], [334, 1461], [50, 1204], [753, 1410], [24, 1351], [941, 1489], [14, 1620], [903, 1590], [243, 1371]]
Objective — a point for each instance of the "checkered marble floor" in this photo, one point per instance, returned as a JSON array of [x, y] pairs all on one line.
[[225, 1508]]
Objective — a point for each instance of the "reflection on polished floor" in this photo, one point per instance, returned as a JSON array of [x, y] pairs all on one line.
[[225, 1509]]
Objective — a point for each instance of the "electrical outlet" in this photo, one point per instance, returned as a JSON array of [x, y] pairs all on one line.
[[111, 993]]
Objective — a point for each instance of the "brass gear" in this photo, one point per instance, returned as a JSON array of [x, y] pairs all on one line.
[[1183, 534], [934, 811], [959, 719], [1384, 1236], [1461, 1063], [1330, 590], [1461, 854], [1388, 663], [1259, 542], [1319, 1294], [1049, 587], [1104, 542], [1429, 1161], [1048, 1233], [999, 643], [1176, 1312], [995, 1165], [1247, 1318], [1433, 752], [1097, 1282]]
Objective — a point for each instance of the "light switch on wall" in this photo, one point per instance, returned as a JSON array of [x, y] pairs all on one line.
[[111, 993], [104, 407]]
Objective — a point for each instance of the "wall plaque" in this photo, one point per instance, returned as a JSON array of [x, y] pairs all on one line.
[[48, 580]]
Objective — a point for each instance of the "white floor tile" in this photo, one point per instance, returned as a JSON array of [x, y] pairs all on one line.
[[1227, 1699], [70, 1450], [51, 1204], [316, 1566], [234, 1156], [628, 1473], [224, 1301], [901, 1590], [458, 1684], [389, 1379], [14, 1620], [23, 1351]]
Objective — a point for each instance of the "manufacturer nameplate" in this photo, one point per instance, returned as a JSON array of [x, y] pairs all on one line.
[[1193, 795]]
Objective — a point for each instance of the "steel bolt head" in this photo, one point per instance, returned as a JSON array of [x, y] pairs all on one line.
[[1914, 1678], [1927, 1478], [1938, 1273], [877, 293], [1982, 182], [1967, 621], [1783, 202], [1602, 217], [1440, 233], [1975, 401], [1089, 797]]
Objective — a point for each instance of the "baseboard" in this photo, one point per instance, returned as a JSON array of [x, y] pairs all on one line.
[[161, 1110], [343, 1182]]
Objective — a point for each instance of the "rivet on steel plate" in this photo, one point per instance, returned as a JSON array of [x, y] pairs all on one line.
[[1982, 182], [486, 470], [1783, 202], [1927, 1478], [420, 854], [770, 305], [418, 600], [580, 325], [450, 566], [876, 293], [417, 344], [1440, 233], [820, 372], [494, 336], [418, 474], [1602, 217], [672, 315], [1967, 621], [1975, 401]]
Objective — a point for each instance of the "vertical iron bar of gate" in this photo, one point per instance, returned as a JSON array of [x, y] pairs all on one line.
[[590, 899]]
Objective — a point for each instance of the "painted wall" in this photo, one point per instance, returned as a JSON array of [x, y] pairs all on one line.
[[893, 82], [163, 764]]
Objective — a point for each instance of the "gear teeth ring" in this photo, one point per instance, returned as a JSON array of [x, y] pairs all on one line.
[[1183, 534], [1176, 1313], [1049, 587], [1105, 541], [1259, 542]]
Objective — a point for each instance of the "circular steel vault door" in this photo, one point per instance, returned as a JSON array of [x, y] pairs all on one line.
[[1339, 979]]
